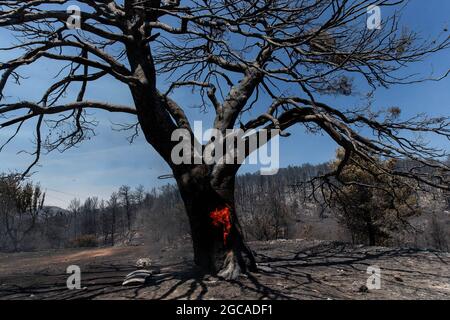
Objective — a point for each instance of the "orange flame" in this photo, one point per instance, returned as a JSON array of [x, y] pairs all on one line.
[[222, 217]]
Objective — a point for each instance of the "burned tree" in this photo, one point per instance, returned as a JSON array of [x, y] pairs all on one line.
[[125, 197], [235, 56]]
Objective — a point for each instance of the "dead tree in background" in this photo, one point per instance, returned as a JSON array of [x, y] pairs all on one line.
[[126, 201], [89, 221], [74, 211], [235, 55], [439, 234], [113, 204]]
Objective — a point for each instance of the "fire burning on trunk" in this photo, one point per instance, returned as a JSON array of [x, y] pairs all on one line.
[[222, 217]]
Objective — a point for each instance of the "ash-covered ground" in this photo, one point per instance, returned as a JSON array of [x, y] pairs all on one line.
[[290, 269]]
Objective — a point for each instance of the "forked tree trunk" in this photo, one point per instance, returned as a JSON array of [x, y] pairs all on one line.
[[219, 249], [226, 256]]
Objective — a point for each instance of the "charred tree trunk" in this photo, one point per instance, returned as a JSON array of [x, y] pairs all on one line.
[[218, 243]]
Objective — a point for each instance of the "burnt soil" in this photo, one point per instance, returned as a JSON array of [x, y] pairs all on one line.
[[290, 269]]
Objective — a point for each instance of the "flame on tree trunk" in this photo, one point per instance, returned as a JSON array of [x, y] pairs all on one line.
[[222, 218]]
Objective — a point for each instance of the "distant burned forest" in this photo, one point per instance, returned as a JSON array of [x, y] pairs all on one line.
[[282, 206]]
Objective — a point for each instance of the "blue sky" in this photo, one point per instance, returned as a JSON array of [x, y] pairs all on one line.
[[100, 165]]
